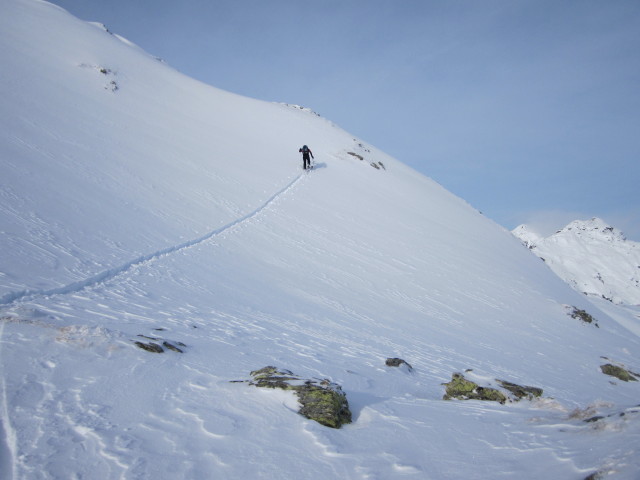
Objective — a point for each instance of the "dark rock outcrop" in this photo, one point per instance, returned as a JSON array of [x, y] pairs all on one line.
[[150, 347], [397, 362], [156, 348], [583, 316], [521, 391]]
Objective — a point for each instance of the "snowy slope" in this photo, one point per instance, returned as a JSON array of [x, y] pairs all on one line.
[[137, 201], [593, 257]]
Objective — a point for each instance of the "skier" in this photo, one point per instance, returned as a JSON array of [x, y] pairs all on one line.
[[306, 151]]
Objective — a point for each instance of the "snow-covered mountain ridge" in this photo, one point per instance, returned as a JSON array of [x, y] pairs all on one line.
[[139, 205], [593, 257]]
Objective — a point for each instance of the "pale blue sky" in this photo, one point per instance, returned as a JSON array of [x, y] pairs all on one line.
[[527, 109]]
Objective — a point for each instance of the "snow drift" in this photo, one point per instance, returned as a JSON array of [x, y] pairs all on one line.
[[141, 205]]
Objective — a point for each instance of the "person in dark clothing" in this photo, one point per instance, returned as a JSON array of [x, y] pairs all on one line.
[[306, 162]]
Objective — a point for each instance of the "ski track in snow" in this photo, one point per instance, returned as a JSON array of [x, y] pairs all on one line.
[[110, 274], [376, 266], [113, 456], [7, 435]]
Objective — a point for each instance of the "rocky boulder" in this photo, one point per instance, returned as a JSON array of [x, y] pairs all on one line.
[[398, 362], [463, 389], [619, 372], [322, 400]]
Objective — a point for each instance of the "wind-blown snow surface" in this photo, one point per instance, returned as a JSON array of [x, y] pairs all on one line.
[[159, 206]]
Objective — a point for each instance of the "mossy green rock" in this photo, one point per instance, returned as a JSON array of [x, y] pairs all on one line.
[[325, 404], [618, 372], [463, 389], [322, 401]]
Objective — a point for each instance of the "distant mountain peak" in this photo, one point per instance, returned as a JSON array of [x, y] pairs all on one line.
[[592, 256], [594, 228]]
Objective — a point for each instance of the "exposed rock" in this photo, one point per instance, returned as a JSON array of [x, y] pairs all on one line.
[[326, 404], [618, 372], [271, 377], [321, 400], [396, 362], [595, 476], [156, 348], [170, 346], [521, 391], [593, 419], [463, 389], [615, 415], [583, 316], [150, 347]]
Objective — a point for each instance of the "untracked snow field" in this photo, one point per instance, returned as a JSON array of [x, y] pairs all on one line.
[[169, 211]]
